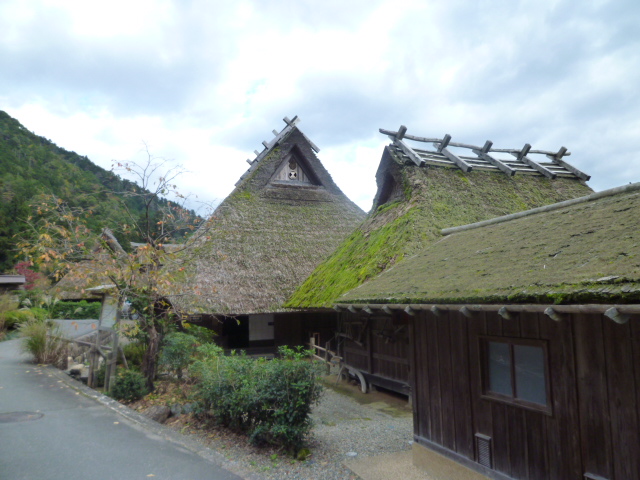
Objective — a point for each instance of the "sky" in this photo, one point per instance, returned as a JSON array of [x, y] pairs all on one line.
[[203, 82]]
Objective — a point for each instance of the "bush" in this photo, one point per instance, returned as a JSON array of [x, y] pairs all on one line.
[[76, 310], [269, 400], [130, 385], [134, 353], [42, 341], [177, 352], [202, 334], [15, 318]]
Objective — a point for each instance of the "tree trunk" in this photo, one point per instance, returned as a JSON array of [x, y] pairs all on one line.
[[150, 359]]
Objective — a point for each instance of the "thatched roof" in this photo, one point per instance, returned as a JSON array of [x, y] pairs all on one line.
[[413, 203], [585, 251], [284, 217]]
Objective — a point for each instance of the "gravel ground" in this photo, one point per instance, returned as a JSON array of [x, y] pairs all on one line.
[[348, 424]]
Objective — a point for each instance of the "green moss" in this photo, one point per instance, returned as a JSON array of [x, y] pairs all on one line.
[[439, 198]]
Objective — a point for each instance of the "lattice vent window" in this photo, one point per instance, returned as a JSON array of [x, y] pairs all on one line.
[[483, 450]]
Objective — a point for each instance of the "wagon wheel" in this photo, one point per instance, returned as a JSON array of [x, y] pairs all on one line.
[[361, 379]]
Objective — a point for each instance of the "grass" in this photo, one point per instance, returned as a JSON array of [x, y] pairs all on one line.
[[41, 340]]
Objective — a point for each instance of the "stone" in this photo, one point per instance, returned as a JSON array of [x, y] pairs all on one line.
[[158, 413]]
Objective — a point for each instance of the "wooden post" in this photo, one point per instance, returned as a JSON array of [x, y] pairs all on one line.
[[112, 362], [326, 357]]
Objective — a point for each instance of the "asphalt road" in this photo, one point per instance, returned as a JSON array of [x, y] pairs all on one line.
[[52, 428]]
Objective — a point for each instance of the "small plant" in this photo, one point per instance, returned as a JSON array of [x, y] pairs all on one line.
[[42, 340], [130, 385], [134, 353], [99, 376], [177, 353]]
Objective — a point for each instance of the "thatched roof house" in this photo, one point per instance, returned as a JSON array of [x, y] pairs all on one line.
[[585, 250], [525, 340], [422, 190], [284, 217]]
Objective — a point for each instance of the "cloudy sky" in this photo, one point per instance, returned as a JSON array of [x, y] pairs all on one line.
[[204, 82]]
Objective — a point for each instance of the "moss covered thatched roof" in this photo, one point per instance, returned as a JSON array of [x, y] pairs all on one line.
[[411, 207], [285, 216], [585, 252]]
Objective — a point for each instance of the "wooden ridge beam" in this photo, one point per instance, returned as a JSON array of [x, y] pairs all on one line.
[[483, 153], [441, 145], [408, 151], [557, 158], [522, 157]]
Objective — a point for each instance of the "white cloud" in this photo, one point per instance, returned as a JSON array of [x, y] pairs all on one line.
[[205, 82]]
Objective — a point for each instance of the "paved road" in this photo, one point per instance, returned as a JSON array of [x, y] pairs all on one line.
[[64, 433]]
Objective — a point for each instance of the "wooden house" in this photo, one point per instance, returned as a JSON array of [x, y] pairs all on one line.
[[525, 340], [424, 185], [283, 218], [11, 282]]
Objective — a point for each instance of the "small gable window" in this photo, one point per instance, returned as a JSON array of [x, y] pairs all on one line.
[[515, 371], [292, 172]]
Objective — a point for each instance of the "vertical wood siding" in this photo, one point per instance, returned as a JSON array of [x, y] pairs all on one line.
[[594, 379], [385, 345]]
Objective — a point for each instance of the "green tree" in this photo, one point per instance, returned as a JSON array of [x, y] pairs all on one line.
[[61, 242]]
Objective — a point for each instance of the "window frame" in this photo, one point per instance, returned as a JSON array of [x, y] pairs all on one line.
[[487, 394]]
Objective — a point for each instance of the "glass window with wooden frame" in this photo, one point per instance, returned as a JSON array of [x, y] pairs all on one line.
[[515, 371]]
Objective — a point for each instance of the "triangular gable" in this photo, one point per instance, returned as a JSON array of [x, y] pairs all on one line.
[[294, 170], [275, 142]]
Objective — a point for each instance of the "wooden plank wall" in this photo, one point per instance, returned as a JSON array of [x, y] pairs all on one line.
[[594, 367], [385, 345]]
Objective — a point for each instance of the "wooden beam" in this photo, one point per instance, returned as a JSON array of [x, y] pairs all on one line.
[[367, 310], [614, 314], [506, 314], [443, 143], [409, 311], [352, 309], [387, 310], [553, 315], [466, 312], [275, 133], [522, 156], [627, 309], [409, 152], [523, 153], [483, 153], [401, 131], [557, 158], [436, 311], [464, 166], [291, 123]]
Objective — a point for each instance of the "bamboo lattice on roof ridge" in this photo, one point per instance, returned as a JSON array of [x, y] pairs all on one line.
[[269, 146], [552, 166]]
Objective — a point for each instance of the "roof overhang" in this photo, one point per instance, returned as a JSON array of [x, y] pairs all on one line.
[[617, 313]]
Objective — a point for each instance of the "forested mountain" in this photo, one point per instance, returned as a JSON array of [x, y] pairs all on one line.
[[31, 165]]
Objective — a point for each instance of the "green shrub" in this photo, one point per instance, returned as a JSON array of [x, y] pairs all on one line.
[[177, 352], [99, 376], [76, 310], [40, 313], [203, 334], [134, 353], [15, 318], [130, 385], [8, 303], [269, 400], [41, 339]]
